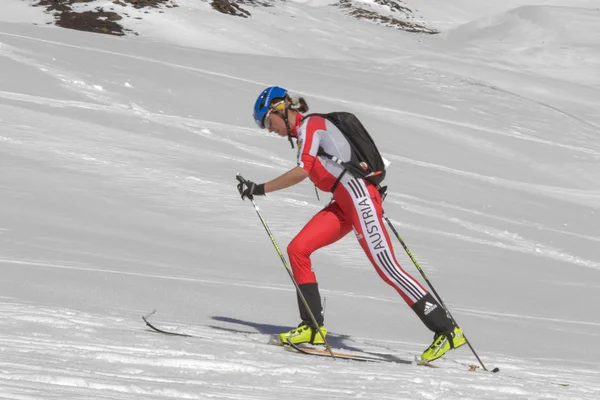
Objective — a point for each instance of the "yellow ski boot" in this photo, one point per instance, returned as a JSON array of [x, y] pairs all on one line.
[[303, 334], [442, 343]]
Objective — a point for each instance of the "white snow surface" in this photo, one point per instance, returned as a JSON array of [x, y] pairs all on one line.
[[117, 196], [445, 14]]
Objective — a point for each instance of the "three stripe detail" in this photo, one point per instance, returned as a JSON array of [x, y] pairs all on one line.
[[385, 260]]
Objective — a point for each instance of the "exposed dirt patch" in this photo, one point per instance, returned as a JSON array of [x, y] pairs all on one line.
[[98, 20], [145, 3], [262, 3], [69, 14], [361, 13], [92, 21], [395, 7], [229, 7]]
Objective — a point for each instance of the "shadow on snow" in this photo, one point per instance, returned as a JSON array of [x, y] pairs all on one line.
[[336, 341]]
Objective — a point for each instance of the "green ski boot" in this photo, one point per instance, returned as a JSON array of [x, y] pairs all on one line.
[[303, 334], [442, 343]]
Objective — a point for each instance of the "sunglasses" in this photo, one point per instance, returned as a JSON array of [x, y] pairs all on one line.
[[275, 108]]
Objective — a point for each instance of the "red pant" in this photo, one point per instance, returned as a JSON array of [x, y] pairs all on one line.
[[357, 206]]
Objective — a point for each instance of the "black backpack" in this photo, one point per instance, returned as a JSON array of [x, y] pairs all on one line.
[[365, 161]]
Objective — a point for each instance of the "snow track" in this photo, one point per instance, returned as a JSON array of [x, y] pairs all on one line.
[[61, 352]]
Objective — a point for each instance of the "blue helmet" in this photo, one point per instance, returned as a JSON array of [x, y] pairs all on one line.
[[263, 103]]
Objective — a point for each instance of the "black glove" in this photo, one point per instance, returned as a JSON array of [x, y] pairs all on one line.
[[248, 189]]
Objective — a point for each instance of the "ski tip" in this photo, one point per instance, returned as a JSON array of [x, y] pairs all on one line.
[[424, 363], [419, 361], [145, 317], [274, 340]]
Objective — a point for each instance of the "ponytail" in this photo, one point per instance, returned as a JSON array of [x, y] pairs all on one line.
[[298, 103]]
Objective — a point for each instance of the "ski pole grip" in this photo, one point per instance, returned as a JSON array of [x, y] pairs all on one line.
[[240, 178]]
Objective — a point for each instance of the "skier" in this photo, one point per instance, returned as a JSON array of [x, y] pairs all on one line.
[[356, 205]]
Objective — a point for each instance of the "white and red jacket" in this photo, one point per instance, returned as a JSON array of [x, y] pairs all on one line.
[[312, 133], [356, 206]]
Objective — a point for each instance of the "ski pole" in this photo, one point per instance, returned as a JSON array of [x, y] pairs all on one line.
[[433, 290], [287, 268]]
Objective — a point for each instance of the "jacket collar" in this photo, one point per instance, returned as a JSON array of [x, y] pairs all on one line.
[[297, 124]]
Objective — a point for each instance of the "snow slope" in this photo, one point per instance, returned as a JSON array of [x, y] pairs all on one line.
[[540, 40], [444, 15], [117, 172]]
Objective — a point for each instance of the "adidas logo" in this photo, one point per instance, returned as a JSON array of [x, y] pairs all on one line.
[[429, 307]]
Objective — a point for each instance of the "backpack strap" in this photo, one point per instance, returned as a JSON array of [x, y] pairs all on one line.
[[323, 153], [337, 181], [345, 165], [382, 189]]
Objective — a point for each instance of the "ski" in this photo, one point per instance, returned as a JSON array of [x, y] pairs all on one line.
[[312, 351], [359, 357], [154, 328], [348, 356]]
